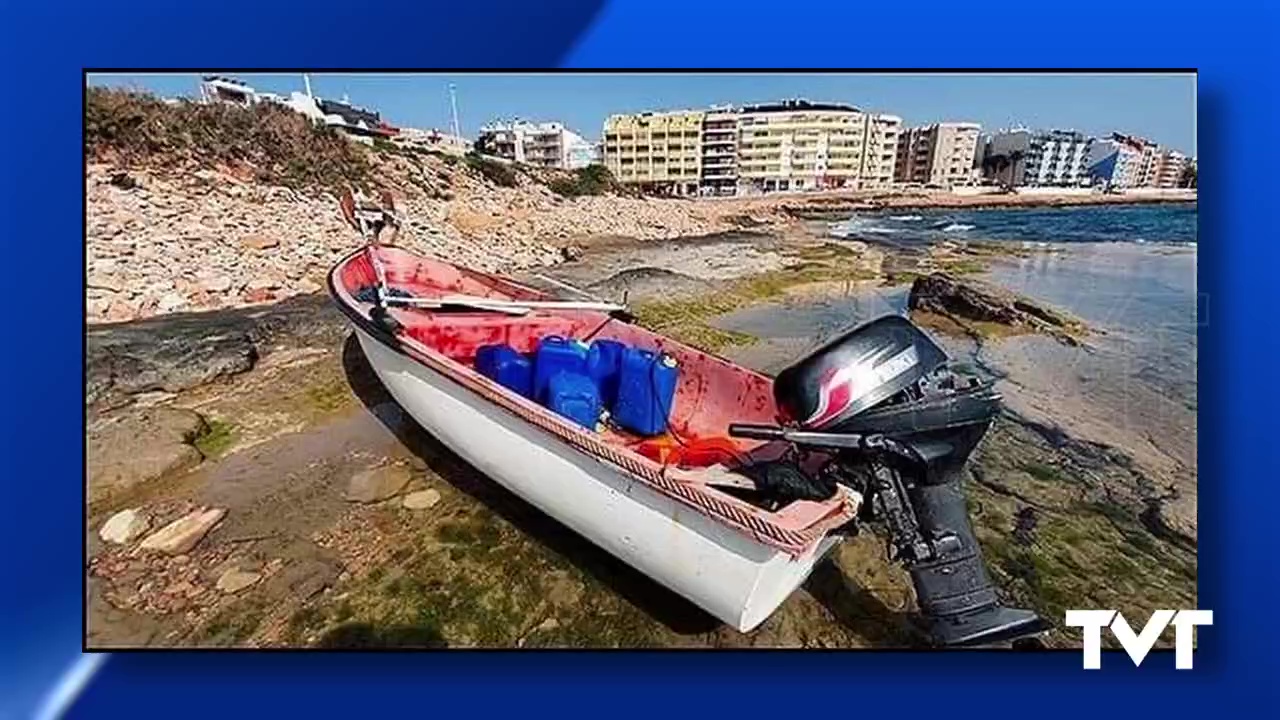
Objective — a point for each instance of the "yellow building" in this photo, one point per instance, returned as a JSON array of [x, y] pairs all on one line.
[[799, 145], [787, 146], [661, 152]]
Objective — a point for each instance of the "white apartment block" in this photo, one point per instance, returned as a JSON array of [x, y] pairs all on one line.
[[549, 145], [1126, 161], [1053, 158]]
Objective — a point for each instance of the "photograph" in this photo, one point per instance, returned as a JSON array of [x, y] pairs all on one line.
[[840, 360]]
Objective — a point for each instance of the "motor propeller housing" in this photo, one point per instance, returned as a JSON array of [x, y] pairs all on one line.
[[901, 424]]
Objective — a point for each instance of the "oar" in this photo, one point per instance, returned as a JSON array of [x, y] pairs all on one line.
[[509, 306], [533, 304]]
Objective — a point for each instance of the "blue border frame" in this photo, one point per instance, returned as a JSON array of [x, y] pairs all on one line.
[[44, 47]]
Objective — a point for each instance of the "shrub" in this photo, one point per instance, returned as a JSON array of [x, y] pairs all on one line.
[[498, 173], [280, 145], [590, 180]]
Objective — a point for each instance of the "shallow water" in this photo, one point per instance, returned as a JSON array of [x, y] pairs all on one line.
[[1134, 388]]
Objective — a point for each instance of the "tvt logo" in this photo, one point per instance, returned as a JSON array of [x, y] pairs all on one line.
[[1137, 644]]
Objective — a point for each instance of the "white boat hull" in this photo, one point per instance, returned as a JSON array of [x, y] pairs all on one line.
[[733, 577]]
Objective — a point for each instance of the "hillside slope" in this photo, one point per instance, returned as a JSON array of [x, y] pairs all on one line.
[[193, 207]]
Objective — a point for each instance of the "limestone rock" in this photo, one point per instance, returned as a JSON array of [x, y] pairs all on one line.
[[183, 534], [139, 446], [234, 580], [421, 500], [259, 242], [377, 484], [946, 294], [124, 526]]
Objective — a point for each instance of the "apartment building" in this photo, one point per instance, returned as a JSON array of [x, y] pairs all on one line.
[[1169, 166], [719, 171], [1126, 161], [1117, 161], [549, 144], [800, 145], [1052, 158], [785, 146], [661, 152], [941, 154]]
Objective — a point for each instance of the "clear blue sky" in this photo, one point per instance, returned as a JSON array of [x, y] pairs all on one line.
[[1159, 107]]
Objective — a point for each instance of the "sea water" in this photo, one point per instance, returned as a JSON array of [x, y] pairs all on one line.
[[1148, 223], [1129, 271]]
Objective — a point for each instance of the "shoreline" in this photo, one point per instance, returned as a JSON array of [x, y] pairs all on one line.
[[906, 200], [160, 241]]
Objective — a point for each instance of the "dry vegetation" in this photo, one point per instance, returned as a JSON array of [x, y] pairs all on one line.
[[270, 143]]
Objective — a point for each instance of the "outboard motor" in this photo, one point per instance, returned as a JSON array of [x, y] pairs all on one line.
[[899, 424]]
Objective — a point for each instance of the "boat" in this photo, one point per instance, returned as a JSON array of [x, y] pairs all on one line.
[[875, 424], [733, 559]]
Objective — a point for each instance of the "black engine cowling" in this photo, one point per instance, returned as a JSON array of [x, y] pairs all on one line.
[[902, 424]]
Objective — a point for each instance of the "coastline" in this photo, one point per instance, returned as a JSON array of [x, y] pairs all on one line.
[[161, 242]]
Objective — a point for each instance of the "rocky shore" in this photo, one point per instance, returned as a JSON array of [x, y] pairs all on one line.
[[169, 239], [159, 242]]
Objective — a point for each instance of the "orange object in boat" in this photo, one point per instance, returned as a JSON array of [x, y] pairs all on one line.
[[662, 449], [693, 452], [705, 452]]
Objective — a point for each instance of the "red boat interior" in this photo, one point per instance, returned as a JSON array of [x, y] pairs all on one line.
[[711, 392]]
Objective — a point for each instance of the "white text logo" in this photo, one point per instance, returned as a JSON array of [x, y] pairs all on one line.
[[1137, 644]]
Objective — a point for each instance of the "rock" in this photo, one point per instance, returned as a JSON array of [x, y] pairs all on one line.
[[265, 281], [234, 580], [139, 446], [183, 534], [377, 484], [171, 301], [175, 353], [307, 578], [308, 286], [184, 588], [124, 526], [421, 500], [123, 181], [102, 281], [259, 242], [967, 299], [259, 295], [215, 282]]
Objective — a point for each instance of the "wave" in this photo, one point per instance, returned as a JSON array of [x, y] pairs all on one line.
[[957, 227], [906, 218], [854, 226]]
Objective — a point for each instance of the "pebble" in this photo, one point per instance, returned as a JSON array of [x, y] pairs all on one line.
[[421, 500], [183, 534], [377, 484], [123, 527], [234, 580]]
